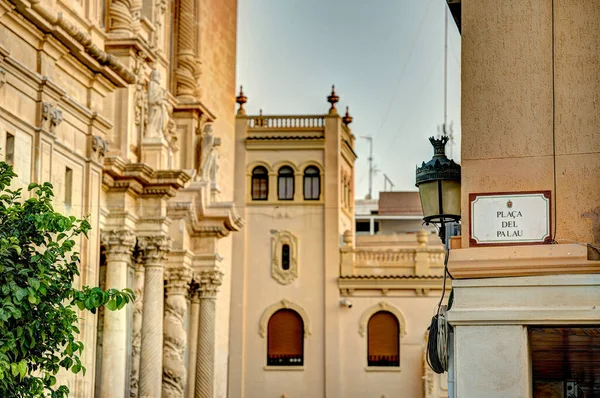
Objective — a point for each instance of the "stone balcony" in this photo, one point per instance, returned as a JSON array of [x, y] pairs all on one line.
[[391, 265]]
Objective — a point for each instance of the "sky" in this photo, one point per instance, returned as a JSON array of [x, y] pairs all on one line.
[[386, 59]]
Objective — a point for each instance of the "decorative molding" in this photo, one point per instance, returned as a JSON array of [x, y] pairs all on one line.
[[154, 248], [278, 239], [209, 281], [118, 244], [2, 77], [51, 117], [280, 305], [99, 148], [381, 306]]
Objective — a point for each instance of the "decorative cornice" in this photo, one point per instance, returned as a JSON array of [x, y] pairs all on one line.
[[80, 43]]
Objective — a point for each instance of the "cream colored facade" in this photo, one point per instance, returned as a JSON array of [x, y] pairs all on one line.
[[328, 270], [530, 79], [127, 108]]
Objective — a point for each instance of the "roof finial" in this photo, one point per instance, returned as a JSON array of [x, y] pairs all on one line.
[[347, 119], [241, 100], [332, 99]]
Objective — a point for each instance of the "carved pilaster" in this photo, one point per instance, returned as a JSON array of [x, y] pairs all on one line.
[[159, 18], [120, 18], [186, 73], [175, 336], [194, 296], [209, 281], [154, 253], [118, 247], [136, 339]]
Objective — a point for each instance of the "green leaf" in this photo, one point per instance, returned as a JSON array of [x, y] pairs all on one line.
[[111, 305], [32, 299], [22, 369]]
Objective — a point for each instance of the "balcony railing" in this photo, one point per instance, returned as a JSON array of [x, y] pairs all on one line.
[[284, 360], [384, 360], [286, 122]]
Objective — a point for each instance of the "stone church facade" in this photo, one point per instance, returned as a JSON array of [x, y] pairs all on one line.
[[127, 108]]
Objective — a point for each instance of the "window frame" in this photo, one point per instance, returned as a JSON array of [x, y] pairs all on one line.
[[384, 363], [287, 179], [311, 178], [288, 362], [259, 178]]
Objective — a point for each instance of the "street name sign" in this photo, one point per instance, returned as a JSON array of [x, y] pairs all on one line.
[[510, 218]]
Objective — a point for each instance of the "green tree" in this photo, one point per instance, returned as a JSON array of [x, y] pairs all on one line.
[[38, 318]]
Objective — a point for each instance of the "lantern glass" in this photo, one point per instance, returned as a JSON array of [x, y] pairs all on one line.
[[451, 197], [430, 198]]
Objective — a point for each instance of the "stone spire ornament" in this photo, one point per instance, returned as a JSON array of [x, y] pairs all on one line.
[[333, 99], [241, 100], [347, 119]]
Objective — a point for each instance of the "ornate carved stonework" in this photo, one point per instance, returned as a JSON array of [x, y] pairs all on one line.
[[159, 17], [175, 334], [118, 244], [120, 18], [154, 248], [140, 97], [209, 282], [51, 117], [99, 148], [138, 306], [159, 108], [185, 73], [2, 77], [278, 240]]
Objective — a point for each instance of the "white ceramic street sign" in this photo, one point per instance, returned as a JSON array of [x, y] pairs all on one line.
[[510, 218]]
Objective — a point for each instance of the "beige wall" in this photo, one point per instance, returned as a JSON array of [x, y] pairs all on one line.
[[514, 91]]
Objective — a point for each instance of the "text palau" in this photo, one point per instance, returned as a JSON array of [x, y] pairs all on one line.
[[508, 224]]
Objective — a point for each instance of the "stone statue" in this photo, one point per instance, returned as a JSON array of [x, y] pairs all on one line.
[[209, 156], [159, 108]]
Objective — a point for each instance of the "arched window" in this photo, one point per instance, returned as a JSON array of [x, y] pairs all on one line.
[[285, 339], [286, 183], [383, 340], [260, 183], [312, 183], [285, 257]]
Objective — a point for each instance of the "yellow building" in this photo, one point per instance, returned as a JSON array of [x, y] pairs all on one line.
[[127, 108], [525, 316], [316, 313]]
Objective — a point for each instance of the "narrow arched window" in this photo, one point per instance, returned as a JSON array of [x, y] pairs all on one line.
[[312, 183], [286, 183], [285, 345], [260, 183], [383, 340], [285, 257]]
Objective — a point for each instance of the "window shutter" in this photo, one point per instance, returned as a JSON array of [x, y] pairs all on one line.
[[285, 338], [383, 340]]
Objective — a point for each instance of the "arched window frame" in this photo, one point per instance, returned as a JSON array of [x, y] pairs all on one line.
[[258, 178], [364, 324], [391, 359], [296, 360], [278, 240], [286, 184], [310, 195], [263, 326]]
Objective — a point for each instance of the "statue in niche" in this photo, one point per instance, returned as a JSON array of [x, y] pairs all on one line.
[[159, 108], [209, 156]]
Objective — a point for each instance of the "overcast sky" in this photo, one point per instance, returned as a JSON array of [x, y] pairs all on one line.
[[385, 57]]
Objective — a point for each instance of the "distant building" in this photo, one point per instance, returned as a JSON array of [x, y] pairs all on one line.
[[392, 213], [317, 312]]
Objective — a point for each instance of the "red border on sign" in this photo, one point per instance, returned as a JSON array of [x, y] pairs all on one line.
[[473, 196]]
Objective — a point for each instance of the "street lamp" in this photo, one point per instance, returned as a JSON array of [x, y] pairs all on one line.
[[439, 187]]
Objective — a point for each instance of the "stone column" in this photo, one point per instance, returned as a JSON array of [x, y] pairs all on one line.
[[154, 251], [210, 280], [175, 335], [136, 340], [120, 18], [118, 247], [193, 338], [186, 73]]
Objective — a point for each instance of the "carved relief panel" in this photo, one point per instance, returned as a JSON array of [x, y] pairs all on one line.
[[284, 256]]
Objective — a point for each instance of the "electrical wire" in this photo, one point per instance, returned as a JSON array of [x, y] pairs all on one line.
[[437, 342]]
